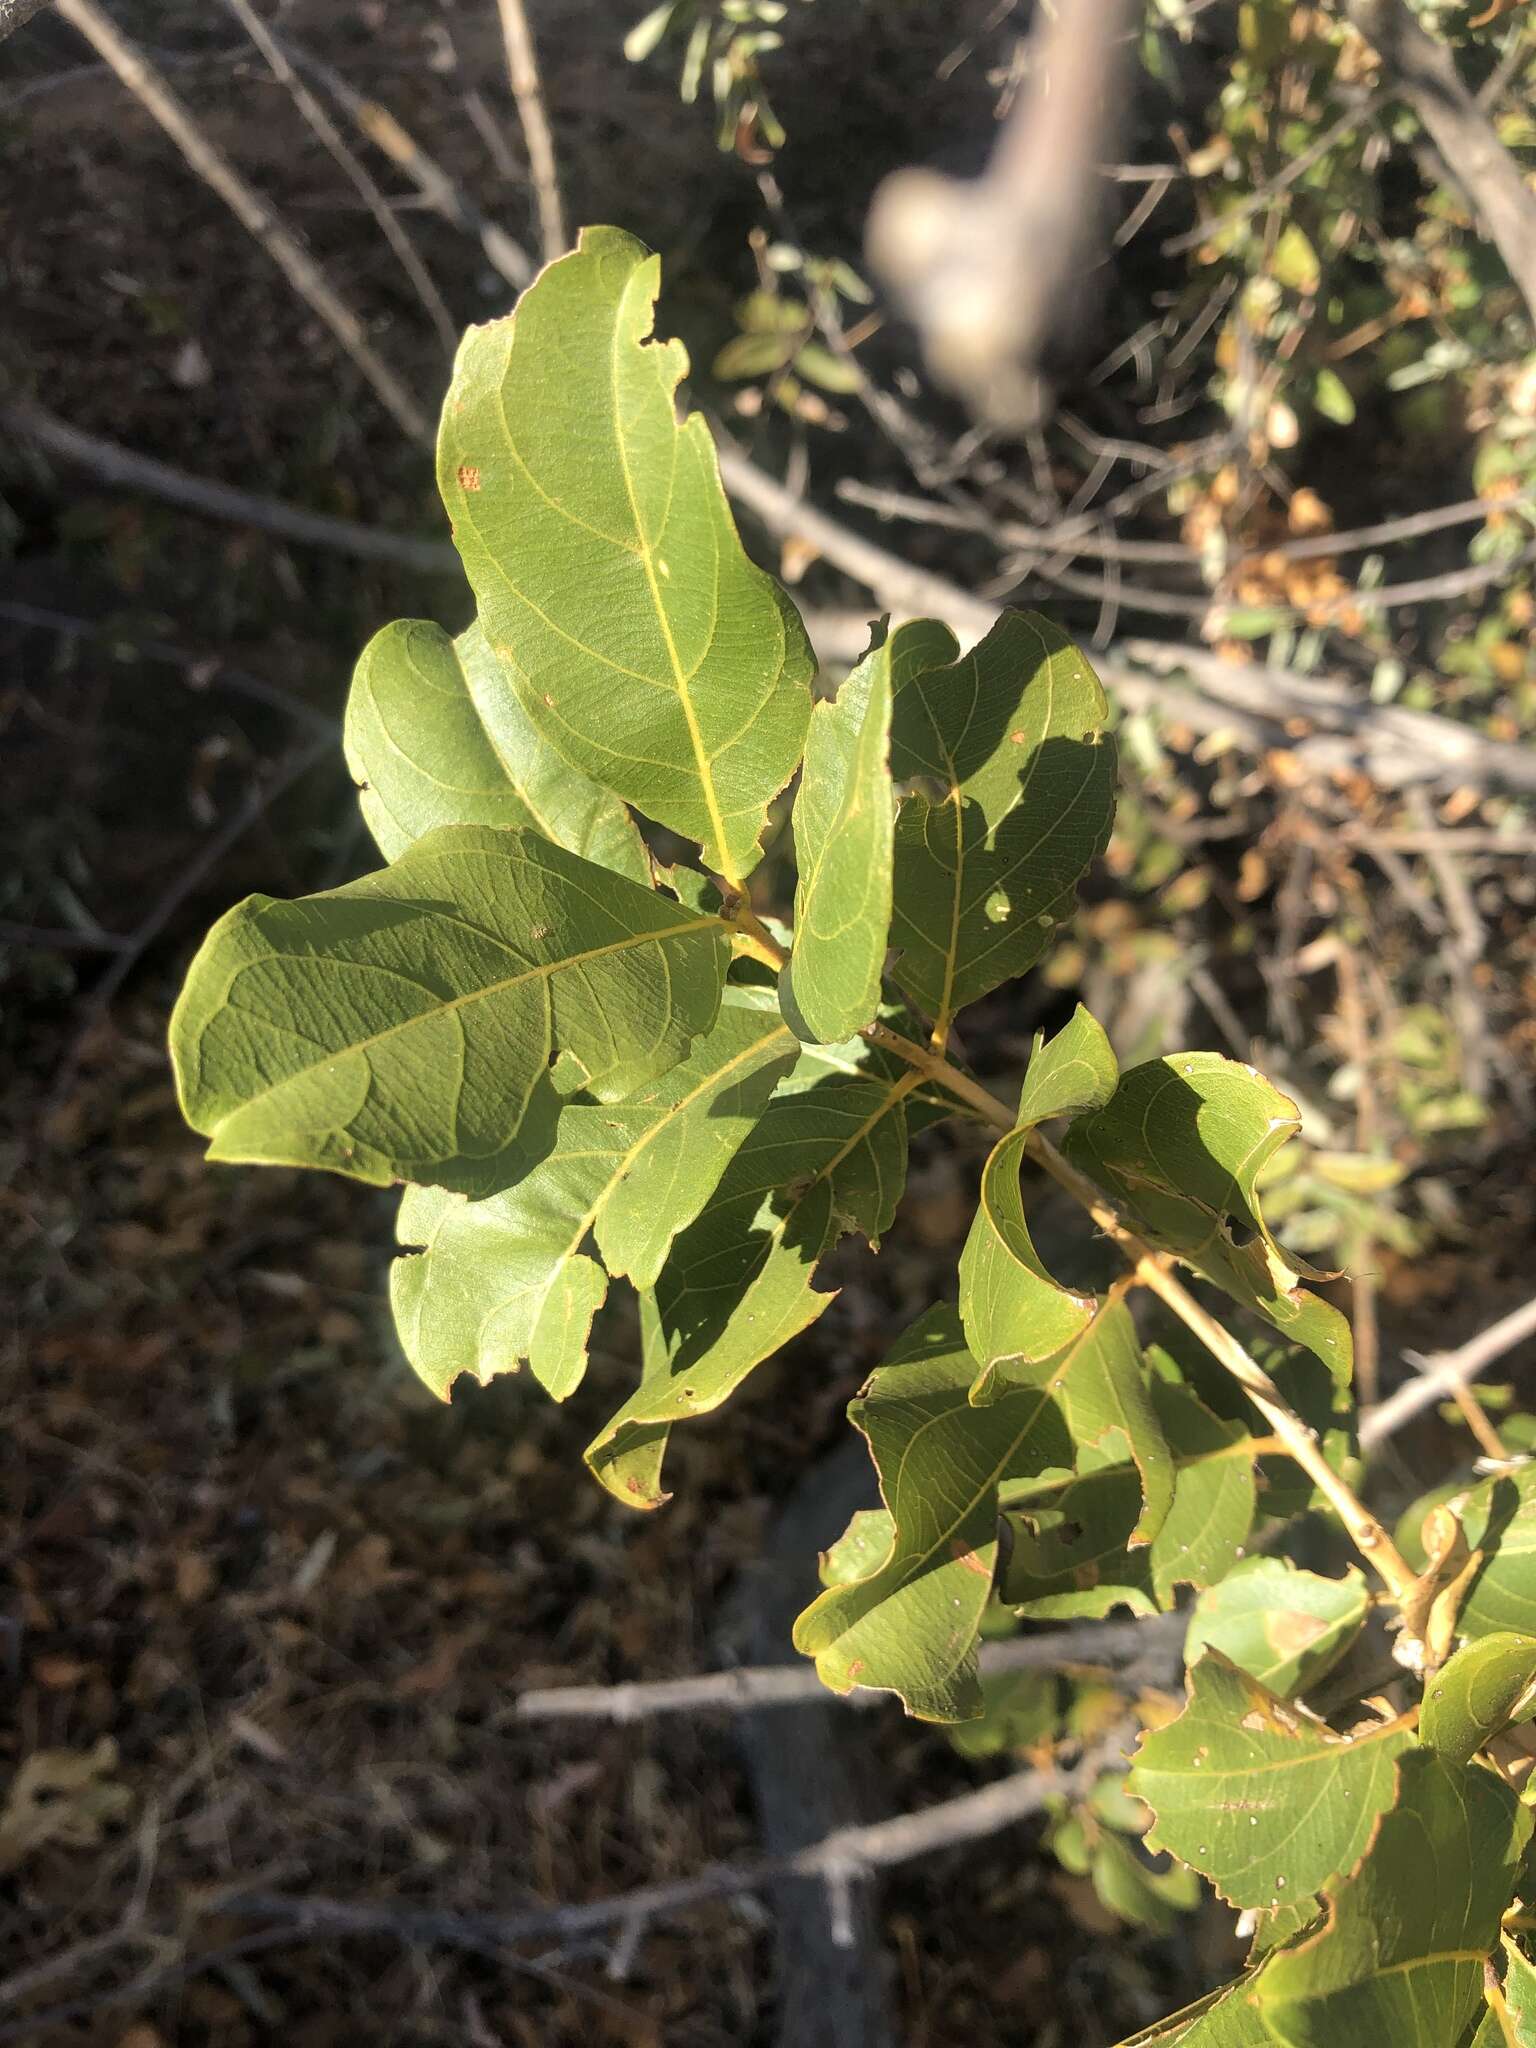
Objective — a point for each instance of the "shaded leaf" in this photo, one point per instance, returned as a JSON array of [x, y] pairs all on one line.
[[910, 1626], [1257, 1796], [1013, 1311], [1182, 1145], [1016, 800], [643, 644], [1071, 1554], [1401, 1956], [1484, 1687], [402, 1027], [1139, 1894], [435, 735], [845, 816], [1019, 1710], [1107, 1402], [1226, 2019], [506, 1279], [738, 1283], [1282, 1626]]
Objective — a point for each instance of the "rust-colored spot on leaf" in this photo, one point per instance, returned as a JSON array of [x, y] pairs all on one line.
[[963, 1554], [1290, 1633], [469, 477], [1016, 739], [1086, 1577]]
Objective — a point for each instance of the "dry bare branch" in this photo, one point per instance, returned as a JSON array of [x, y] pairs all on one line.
[[528, 92], [326, 131], [154, 93], [1419, 68], [1442, 1372]]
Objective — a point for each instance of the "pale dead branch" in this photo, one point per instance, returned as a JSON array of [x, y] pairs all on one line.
[[1442, 1372], [528, 92], [155, 94]]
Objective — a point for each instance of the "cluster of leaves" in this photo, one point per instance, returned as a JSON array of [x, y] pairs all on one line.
[[721, 40], [587, 1066]]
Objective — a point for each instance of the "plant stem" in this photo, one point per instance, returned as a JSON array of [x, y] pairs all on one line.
[[1151, 1270]]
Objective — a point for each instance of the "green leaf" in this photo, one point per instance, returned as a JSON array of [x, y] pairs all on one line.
[[1484, 1687], [402, 1027], [1499, 1518], [435, 735], [1516, 2026], [643, 644], [1332, 397], [910, 1625], [1260, 1798], [1226, 2019], [506, 1279], [1182, 1145], [1014, 1312], [1071, 1552], [1128, 1886], [1107, 1401], [845, 821], [1020, 776], [738, 1283], [1282, 1626], [1019, 1710], [1400, 1958]]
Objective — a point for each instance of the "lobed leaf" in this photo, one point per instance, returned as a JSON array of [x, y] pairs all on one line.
[[910, 1625], [1182, 1144], [507, 1279], [1485, 1686], [738, 1283], [403, 1027], [844, 820], [1072, 1553], [1014, 1312], [435, 735], [1283, 1626], [1016, 798], [643, 644], [1256, 1795]]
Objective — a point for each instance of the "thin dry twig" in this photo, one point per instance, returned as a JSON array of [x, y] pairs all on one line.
[[1419, 68], [1256, 706], [1138, 1649], [326, 131], [121, 467], [1441, 1372], [879, 1845], [155, 94], [528, 92], [442, 194]]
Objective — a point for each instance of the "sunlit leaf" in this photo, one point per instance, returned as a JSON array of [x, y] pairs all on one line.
[[402, 1027], [738, 1283], [1257, 1796], [1499, 1518], [1282, 1626], [845, 817], [1400, 1958], [1484, 1687], [1014, 1312], [435, 735], [643, 644], [507, 1279], [1015, 798]]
